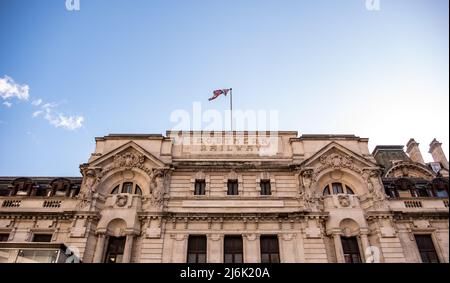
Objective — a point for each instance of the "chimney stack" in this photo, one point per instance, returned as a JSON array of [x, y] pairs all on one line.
[[412, 148], [438, 154]]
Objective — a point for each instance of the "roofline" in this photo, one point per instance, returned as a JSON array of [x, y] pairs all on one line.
[[387, 147]]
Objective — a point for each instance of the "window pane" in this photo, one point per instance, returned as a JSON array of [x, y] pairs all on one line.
[[42, 238], [349, 190], [115, 190], [232, 187], [4, 237], [197, 249], [138, 190], [200, 187], [351, 249], [442, 193], [265, 187], [337, 188], [127, 188], [326, 191], [426, 248], [228, 258]]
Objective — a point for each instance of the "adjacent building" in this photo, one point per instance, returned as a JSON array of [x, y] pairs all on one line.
[[233, 197]]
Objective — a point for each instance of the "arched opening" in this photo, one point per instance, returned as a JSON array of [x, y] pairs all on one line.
[[115, 247]]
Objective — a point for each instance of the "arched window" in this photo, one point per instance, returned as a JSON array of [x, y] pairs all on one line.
[[138, 190], [337, 188], [326, 191], [115, 190], [127, 188]]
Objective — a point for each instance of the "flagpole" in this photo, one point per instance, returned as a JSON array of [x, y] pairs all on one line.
[[231, 108]]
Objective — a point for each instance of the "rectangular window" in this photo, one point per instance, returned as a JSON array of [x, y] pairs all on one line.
[[233, 188], [337, 188], [4, 237], [115, 249], [426, 248], [233, 249], [42, 238], [351, 250], [196, 249], [270, 252], [265, 188], [200, 187]]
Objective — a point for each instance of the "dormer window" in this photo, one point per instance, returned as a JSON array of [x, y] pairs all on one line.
[[127, 188], [22, 187], [337, 188], [60, 187]]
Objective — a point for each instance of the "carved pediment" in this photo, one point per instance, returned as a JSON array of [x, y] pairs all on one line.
[[128, 156], [337, 156]]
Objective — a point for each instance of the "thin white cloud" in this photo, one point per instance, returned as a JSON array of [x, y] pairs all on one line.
[[59, 120], [37, 113], [66, 122], [37, 102], [10, 89]]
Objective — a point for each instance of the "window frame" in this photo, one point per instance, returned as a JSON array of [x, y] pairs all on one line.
[[197, 249], [270, 252], [235, 249], [266, 187], [232, 187], [200, 187], [428, 251]]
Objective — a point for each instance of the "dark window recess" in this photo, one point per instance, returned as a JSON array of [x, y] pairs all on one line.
[[138, 190], [114, 252], [270, 252], [42, 238], [196, 249], [127, 188], [200, 188], [351, 250], [4, 237], [426, 248], [233, 249], [266, 189], [233, 188], [349, 190], [337, 188], [4, 192], [115, 190], [326, 191]]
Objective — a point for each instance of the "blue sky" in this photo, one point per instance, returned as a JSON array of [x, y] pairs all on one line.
[[124, 66]]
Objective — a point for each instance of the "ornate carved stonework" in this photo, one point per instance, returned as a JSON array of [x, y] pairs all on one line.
[[158, 183], [128, 160], [336, 161], [121, 200], [344, 200]]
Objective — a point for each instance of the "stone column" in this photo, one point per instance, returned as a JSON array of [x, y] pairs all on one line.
[[364, 244], [215, 248], [338, 248], [98, 255], [128, 249], [252, 252]]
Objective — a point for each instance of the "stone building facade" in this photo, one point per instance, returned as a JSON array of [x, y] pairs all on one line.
[[234, 197]]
